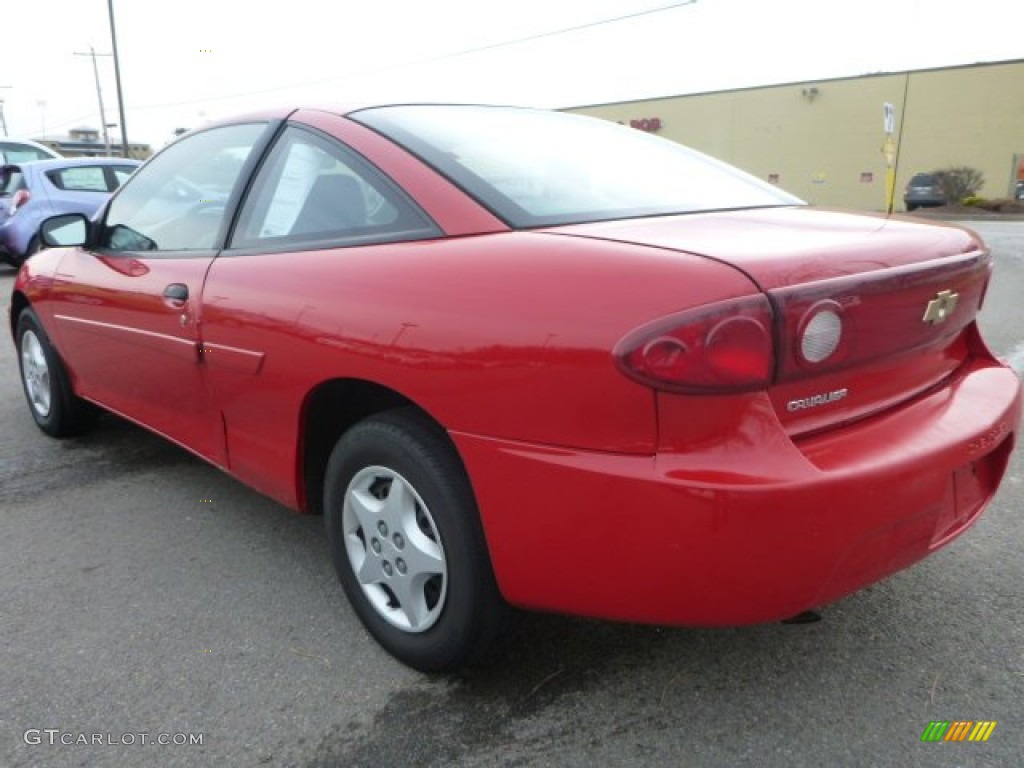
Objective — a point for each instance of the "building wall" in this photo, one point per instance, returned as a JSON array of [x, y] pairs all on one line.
[[823, 140], [74, 148]]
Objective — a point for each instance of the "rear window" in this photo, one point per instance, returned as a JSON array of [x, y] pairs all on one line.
[[80, 178], [539, 168], [14, 152], [923, 180]]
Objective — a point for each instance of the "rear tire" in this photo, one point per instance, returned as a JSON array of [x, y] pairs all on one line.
[[407, 542], [54, 406], [33, 247]]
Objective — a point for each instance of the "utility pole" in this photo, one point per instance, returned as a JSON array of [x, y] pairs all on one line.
[[42, 116], [99, 95], [3, 120], [117, 80]]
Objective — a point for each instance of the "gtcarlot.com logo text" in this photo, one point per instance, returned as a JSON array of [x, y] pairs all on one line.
[[55, 736]]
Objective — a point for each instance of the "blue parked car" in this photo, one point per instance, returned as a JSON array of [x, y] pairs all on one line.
[[32, 192]]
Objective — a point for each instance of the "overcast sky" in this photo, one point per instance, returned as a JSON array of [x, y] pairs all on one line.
[[189, 61]]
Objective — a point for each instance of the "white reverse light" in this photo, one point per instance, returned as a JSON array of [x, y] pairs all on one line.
[[821, 336]]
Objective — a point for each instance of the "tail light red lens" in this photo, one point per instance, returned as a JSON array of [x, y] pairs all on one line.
[[20, 197], [807, 330], [722, 347]]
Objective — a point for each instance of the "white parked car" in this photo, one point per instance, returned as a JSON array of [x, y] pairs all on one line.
[[23, 151]]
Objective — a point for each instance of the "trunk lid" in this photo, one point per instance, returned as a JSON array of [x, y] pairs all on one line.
[[904, 293], [780, 247]]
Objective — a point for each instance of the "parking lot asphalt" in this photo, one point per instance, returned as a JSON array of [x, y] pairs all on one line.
[[144, 592]]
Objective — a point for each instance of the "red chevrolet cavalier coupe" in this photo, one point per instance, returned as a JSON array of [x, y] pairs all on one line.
[[521, 358]]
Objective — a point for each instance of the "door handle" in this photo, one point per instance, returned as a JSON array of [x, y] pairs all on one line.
[[176, 292]]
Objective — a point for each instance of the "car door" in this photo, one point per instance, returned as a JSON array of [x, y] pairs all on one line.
[[126, 309], [277, 302]]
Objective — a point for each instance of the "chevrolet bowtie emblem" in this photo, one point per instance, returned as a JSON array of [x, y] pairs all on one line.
[[940, 307]]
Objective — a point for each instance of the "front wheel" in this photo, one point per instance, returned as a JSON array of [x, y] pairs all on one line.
[[55, 408], [407, 542]]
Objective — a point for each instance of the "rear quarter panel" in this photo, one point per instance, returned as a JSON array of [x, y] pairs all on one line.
[[505, 335]]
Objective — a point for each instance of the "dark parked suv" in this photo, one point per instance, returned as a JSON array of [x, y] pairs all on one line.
[[924, 191]]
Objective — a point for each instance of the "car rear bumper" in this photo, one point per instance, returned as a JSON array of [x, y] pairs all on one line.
[[925, 201], [9, 250], [761, 536]]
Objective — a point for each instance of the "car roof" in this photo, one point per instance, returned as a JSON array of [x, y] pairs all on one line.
[[29, 143], [71, 162], [342, 109]]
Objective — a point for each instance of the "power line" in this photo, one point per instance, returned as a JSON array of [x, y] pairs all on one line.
[[429, 59], [3, 120], [76, 121], [117, 81], [565, 30], [99, 95]]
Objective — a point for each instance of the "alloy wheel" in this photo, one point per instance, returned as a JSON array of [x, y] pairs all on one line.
[[36, 373], [394, 549]]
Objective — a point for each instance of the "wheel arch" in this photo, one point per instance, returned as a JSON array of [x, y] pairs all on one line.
[[19, 302], [330, 409]]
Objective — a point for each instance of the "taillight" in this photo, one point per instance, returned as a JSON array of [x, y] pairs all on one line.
[[984, 288], [19, 198], [858, 319], [722, 347]]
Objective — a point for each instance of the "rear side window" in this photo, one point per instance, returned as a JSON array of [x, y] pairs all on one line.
[[314, 192], [84, 178], [11, 180], [121, 174]]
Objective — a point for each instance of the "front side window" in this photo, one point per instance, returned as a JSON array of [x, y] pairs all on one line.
[[537, 168], [79, 179], [312, 190], [178, 202]]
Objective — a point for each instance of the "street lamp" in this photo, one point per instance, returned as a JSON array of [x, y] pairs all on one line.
[[115, 125]]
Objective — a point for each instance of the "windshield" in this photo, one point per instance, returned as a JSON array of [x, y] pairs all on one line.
[[537, 168]]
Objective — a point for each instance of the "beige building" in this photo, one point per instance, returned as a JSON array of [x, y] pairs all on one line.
[[87, 142], [825, 140]]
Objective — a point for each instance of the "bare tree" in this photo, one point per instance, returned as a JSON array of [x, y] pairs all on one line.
[[959, 181]]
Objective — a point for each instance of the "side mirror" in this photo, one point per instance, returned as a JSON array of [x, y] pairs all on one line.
[[64, 230]]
